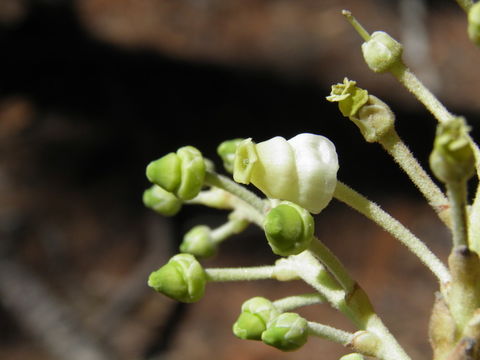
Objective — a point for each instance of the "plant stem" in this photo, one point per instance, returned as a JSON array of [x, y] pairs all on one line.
[[290, 303], [394, 227], [330, 333], [258, 206], [474, 218], [240, 274], [334, 266], [231, 227], [421, 92], [394, 145], [457, 194]]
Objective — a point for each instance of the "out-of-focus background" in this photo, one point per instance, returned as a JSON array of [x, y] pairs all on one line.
[[92, 90]]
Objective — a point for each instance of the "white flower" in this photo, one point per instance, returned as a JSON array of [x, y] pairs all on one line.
[[302, 170]]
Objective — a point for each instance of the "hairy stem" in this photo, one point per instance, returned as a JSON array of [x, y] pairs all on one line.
[[394, 145], [394, 227]]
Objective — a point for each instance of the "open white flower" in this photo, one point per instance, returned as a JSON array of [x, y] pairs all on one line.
[[302, 170]]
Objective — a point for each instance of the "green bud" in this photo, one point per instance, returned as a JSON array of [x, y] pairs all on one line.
[[198, 242], [352, 356], [182, 279], [381, 52], [182, 173], [287, 332], [226, 150], [350, 98], [474, 23], [252, 322], [161, 201], [452, 158], [165, 172], [289, 229]]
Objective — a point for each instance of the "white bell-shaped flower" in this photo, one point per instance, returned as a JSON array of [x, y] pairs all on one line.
[[302, 170]]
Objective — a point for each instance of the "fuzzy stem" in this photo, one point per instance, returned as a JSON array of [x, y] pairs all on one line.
[[394, 145], [394, 227], [422, 93], [330, 333], [240, 274], [457, 193], [334, 266], [293, 302], [259, 207], [231, 227]]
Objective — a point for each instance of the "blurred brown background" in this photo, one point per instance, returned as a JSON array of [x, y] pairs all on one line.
[[92, 90]]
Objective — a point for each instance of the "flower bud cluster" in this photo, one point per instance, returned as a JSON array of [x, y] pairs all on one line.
[[260, 320]]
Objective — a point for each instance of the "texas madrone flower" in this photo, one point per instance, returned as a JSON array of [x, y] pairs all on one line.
[[302, 170]]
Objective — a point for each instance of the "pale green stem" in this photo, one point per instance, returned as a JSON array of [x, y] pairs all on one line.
[[421, 92], [394, 227], [457, 193], [309, 269], [465, 4], [293, 302], [225, 183], [394, 145], [330, 333], [240, 274], [333, 265], [231, 227]]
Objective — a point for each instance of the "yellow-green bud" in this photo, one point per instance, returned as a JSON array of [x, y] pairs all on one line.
[[256, 314], [381, 52], [474, 23], [198, 242], [287, 332], [182, 173], [302, 170], [182, 279], [452, 158], [289, 229], [226, 150], [161, 201]]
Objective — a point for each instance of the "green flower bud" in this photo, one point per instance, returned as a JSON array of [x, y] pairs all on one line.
[[182, 279], [161, 201], [289, 229], [252, 322], [182, 173], [302, 170], [287, 332], [452, 158], [474, 23], [226, 150], [198, 242], [352, 356], [381, 52]]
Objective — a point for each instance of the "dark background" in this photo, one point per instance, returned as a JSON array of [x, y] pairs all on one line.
[[92, 90]]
